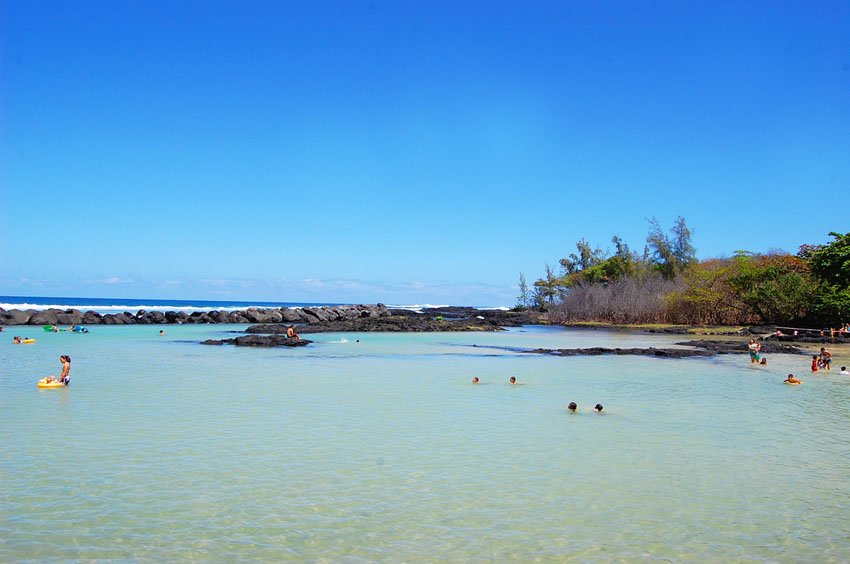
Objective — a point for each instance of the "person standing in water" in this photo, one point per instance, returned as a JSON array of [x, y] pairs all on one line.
[[825, 358], [755, 348], [65, 375]]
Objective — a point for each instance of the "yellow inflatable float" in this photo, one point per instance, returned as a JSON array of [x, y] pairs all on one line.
[[45, 383], [28, 341]]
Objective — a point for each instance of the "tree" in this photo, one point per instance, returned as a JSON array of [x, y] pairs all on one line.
[[683, 250], [830, 264], [587, 257], [672, 254], [524, 298], [546, 288], [778, 288], [661, 250]]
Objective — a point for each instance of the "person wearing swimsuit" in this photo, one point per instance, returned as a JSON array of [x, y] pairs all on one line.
[[65, 377]]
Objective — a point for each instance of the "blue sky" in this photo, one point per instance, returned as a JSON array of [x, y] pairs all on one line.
[[405, 152]]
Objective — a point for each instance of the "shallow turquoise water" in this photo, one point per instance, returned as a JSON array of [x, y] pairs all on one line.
[[383, 450]]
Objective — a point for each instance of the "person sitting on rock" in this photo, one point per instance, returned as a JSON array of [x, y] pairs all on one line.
[[291, 334]]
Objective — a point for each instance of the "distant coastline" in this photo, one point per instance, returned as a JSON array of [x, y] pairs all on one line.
[[120, 305]]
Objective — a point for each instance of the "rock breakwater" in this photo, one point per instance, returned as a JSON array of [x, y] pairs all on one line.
[[405, 321], [252, 315]]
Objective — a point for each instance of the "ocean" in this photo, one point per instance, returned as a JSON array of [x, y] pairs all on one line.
[[376, 447], [116, 305]]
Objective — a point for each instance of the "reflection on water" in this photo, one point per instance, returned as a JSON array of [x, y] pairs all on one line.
[[384, 450]]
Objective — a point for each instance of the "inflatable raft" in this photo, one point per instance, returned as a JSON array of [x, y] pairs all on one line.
[[43, 383]]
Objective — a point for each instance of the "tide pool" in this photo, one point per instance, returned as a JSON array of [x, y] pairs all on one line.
[[382, 449]]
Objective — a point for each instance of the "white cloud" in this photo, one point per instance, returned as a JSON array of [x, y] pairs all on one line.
[[116, 280]]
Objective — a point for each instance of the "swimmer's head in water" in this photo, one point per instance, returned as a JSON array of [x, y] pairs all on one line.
[[475, 379], [572, 406], [843, 368], [763, 361], [598, 407], [513, 379]]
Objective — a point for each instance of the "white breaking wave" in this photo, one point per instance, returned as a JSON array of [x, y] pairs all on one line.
[[419, 307], [131, 308], [416, 307]]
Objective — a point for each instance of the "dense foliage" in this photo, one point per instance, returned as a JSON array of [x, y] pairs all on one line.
[[667, 284]]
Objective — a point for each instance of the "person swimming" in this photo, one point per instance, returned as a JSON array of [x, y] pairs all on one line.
[[513, 381], [598, 408], [572, 407], [844, 371], [791, 380], [161, 333], [475, 379]]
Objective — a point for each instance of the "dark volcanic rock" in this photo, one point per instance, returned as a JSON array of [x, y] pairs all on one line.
[[597, 351], [380, 319], [390, 324], [291, 315], [91, 318], [18, 317], [826, 339], [268, 329], [46, 317], [69, 317], [311, 315], [702, 348], [740, 347], [260, 341]]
